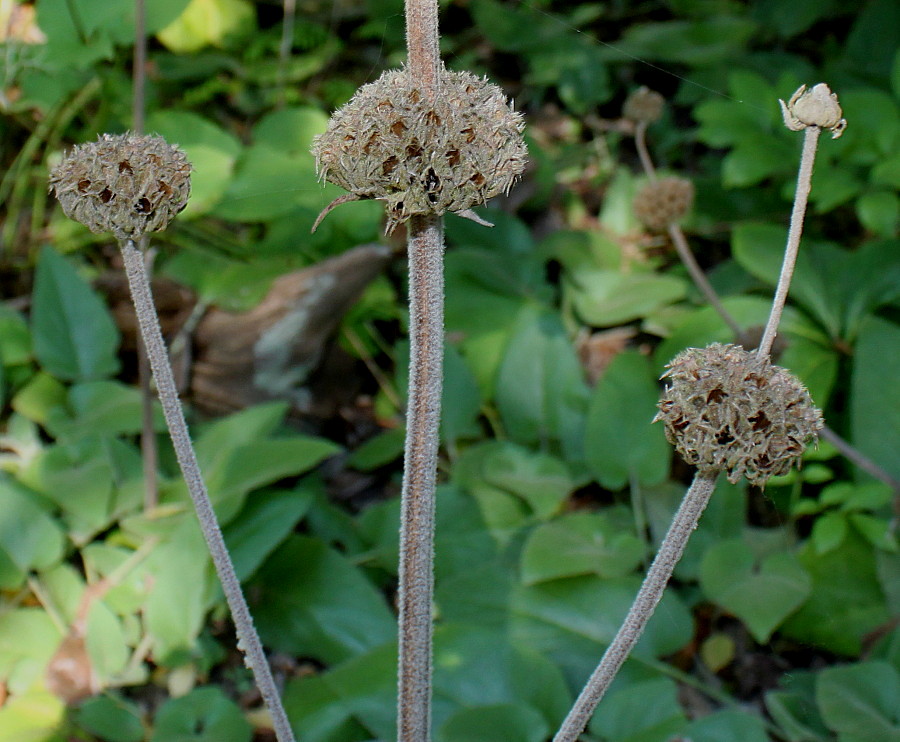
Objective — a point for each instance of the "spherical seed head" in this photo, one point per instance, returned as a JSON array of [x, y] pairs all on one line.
[[643, 105], [727, 410], [423, 156], [816, 106], [663, 202], [125, 184]]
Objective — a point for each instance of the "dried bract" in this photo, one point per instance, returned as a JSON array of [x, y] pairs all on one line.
[[126, 184], [663, 202], [643, 105], [817, 106], [727, 410], [423, 156]]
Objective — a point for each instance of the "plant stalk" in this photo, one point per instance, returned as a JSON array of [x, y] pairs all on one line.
[[248, 639], [798, 213], [650, 593]]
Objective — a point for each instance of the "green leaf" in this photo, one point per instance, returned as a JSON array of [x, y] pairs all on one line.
[[700, 42], [874, 403], [541, 393], [879, 212], [727, 725], [847, 601], [203, 715], [28, 639], [210, 149], [381, 449], [620, 442], [762, 595], [41, 400], [32, 717], [106, 643], [645, 711], [605, 298], [828, 531], [15, 338], [74, 335], [311, 601], [209, 22], [215, 443], [577, 544], [111, 718], [265, 521], [29, 537], [861, 702], [508, 722]]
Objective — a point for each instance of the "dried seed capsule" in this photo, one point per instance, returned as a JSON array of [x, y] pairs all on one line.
[[422, 156], [817, 106], [727, 410], [125, 184], [663, 202], [643, 105]]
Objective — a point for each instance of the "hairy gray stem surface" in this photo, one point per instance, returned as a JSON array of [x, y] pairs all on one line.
[[248, 639], [650, 593], [798, 213], [426, 336]]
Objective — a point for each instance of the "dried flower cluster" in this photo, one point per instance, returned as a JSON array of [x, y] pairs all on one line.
[[728, 410], [663, 202], [643, 105], [422, 156], [126, 184]]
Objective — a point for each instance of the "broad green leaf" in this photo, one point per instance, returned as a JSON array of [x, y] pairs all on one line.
[[106, 643], [265, 521], [874, 402], [762, 595], [701, 42], [28, 639], [577, 544], [74, 336], [727, 725], [879, 212], [861, 702], [15, 338], [847, 601], [103, 408], [379, 450], [111, 718], [645, 711], [541, 393], [209, 22], [204, 715], [32, 717], [41, 400], [621, 443], [29, 537], [507, 722], [791, 20], [797, 714], [215, 443], [608, 298], [312, 601], [212, 152]]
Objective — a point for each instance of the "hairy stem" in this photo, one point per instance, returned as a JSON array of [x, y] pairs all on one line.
[[670, 551], [139, 71], [801, 197], [426, 355], [248, 640], [426, 335], [640, 142]]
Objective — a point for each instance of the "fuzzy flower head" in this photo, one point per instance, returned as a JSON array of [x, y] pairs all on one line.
[[663, 202], [816, 106], [126, 184], [422, 156], [643, 105], [727, 410]]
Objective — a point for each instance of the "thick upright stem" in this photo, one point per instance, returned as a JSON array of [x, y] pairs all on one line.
[[423, 43], [801, 197], [426, 319], [670, 551], [248, 640]]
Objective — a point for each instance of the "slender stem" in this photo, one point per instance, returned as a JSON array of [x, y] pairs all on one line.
[[149, 450], [801, 197], [670, 550], [860, 459], [426, 312], [139, 71], [700, 279], [248, 640], [426, 356], [640, 141]]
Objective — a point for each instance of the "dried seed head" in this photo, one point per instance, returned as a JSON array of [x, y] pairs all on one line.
[[125, 184], [643, 105], [815, 107], [663, 202], [423, 156], [728, 410]]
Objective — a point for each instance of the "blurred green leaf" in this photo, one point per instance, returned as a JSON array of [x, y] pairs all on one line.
[[311, 601], [203, 715], [645, 711], [727, 725], [29, 537], [74, 336], [621, 443], [111, 718], [507, 722], [861, 703], [608, 298], [209, 22], [760, 593]]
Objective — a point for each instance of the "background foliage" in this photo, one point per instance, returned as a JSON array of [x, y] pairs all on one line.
[[783, 621]]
